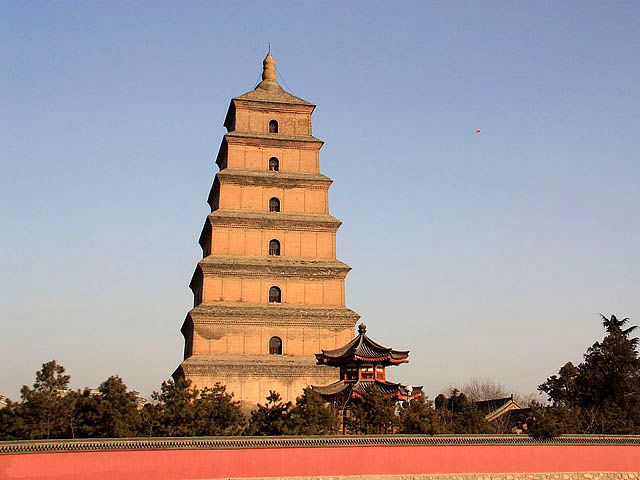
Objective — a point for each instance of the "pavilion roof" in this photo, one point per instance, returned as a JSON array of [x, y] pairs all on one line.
[[362, 348], [357, 389]]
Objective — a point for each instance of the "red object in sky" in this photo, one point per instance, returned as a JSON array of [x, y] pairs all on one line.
[[477, 132]]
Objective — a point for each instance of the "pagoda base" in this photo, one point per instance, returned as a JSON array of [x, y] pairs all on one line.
[[250, 378]]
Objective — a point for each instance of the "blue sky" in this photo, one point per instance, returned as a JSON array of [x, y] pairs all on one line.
[[486, 256]]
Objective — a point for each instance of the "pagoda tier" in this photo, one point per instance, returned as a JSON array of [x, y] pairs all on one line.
[[236, 141], [230, 329], [264, 222]]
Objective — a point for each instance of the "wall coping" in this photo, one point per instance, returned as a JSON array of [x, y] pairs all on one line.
[[199, 443]]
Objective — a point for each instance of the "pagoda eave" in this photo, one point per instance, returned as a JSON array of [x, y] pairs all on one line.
[[272, 94], [277, 140], [273, 179], [269, 267], [272, 105], [280, 313]]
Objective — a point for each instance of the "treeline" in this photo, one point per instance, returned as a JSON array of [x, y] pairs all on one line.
[[600, 395], [49, 409]]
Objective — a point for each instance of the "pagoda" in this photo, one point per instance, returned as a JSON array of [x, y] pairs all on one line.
[[269, 291], [362, 364]]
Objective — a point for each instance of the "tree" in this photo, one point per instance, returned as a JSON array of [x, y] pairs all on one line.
[[419, 416], [561, 388], [11, 423], [151, 420], [459, 415], [478, 389], [605, 387], [273, 418], [216, 413], [175, 413], [46, 409], [112, 412], [312, 415], [373, 413], [545, 422]]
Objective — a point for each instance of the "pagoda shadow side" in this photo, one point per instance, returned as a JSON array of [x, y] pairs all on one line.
[[269, 291]]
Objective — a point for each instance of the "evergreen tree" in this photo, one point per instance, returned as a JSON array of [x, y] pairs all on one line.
[[605, 387], [111, 413], [561, 388], [312, 415], [11, 423], [550, 422], [419, 416], [216, 413], [273, 418], [373, 413], [459, 415], [175, 413], [85, 420], [150, 420], [46, 409]]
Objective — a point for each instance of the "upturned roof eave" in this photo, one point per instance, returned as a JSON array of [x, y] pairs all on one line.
[[356, 348], [352, 389], [341, 361]]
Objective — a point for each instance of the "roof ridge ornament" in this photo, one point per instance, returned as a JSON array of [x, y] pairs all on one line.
[[362, 328]]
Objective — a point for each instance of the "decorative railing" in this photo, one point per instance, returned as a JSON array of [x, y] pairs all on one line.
[[195, 443]]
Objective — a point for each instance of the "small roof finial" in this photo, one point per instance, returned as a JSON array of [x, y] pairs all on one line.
[[269, 67], [362, 328]]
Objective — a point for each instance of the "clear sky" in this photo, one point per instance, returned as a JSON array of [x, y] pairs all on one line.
[[486, 256]]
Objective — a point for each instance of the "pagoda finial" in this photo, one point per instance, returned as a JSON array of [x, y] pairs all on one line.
[[362, 328], [269, 68]]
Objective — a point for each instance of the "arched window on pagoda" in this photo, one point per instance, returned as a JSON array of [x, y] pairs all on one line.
[[274, 164], [274, 247], [274, 295], [273, 126], [274, 204], [275, 346]]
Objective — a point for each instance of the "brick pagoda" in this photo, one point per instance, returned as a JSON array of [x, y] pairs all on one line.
[[269, 292]]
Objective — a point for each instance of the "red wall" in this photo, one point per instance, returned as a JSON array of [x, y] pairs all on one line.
[[272, 462]]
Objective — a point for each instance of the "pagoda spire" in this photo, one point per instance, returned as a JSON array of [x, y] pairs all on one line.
[[268, 74]]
